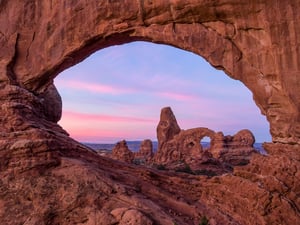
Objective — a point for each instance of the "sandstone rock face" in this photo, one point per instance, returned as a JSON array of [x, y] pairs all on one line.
[[186, 146], [121, 152], [48, 178], [244, 138], [145, 152], [52, 104], [236, 149], [40, 39], [167, 127], [131, 216]]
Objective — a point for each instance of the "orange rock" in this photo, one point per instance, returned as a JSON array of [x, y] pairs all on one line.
[[48, 178], [121, 152], [145, 153], [186, 145], [167, 127]]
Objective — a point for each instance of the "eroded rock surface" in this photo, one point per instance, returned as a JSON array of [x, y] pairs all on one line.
[[185, 145], [167, 127], [236, 149], [145, 153], [122, 152], [47, 178], [40, 39]]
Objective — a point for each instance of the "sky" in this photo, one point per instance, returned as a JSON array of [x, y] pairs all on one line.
[[117, 93]]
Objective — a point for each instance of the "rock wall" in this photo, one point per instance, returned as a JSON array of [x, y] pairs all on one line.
[[48, 178], [256, 43]]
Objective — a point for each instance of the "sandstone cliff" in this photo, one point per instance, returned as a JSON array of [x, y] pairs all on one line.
[[48, 178]]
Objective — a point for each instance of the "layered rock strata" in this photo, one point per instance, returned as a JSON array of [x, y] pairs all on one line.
[[236, 149], [48, 178], [39, 39]]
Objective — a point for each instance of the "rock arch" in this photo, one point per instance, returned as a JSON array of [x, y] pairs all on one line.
[[39, 39], [257, 43]]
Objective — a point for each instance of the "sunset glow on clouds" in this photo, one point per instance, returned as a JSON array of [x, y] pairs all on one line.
[[118, 92], [89, 127], [93, 88]]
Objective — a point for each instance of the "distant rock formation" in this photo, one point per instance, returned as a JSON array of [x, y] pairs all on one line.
[[121, 152], [167, 127], [236, 150], [145, 153], [176, 145], [186, 145], [181, 149]]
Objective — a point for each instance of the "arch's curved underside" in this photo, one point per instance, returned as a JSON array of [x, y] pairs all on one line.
[[256, 42]]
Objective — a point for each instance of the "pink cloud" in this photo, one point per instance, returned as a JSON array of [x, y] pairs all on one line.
[[77, 116], [95, 88], [106, 128], [103, 136], [178, 96]]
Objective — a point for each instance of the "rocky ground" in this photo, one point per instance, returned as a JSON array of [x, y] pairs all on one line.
[[74, 185]]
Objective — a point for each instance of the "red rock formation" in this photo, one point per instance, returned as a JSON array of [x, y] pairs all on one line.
[[236, 150], [183, 146], [185, 150], [167, 127], [39, 40], [47, 178], [145, 152], [131, 216], [122, 152], [243, 138]]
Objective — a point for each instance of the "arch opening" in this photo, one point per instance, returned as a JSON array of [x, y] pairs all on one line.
[[99, 90], [205, 142]]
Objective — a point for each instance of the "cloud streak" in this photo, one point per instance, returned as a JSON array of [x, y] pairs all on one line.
[[77, 116], [177, 96], [106, 128], [94, 88]]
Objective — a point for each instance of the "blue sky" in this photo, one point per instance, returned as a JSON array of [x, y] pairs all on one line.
[[117, 93]]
